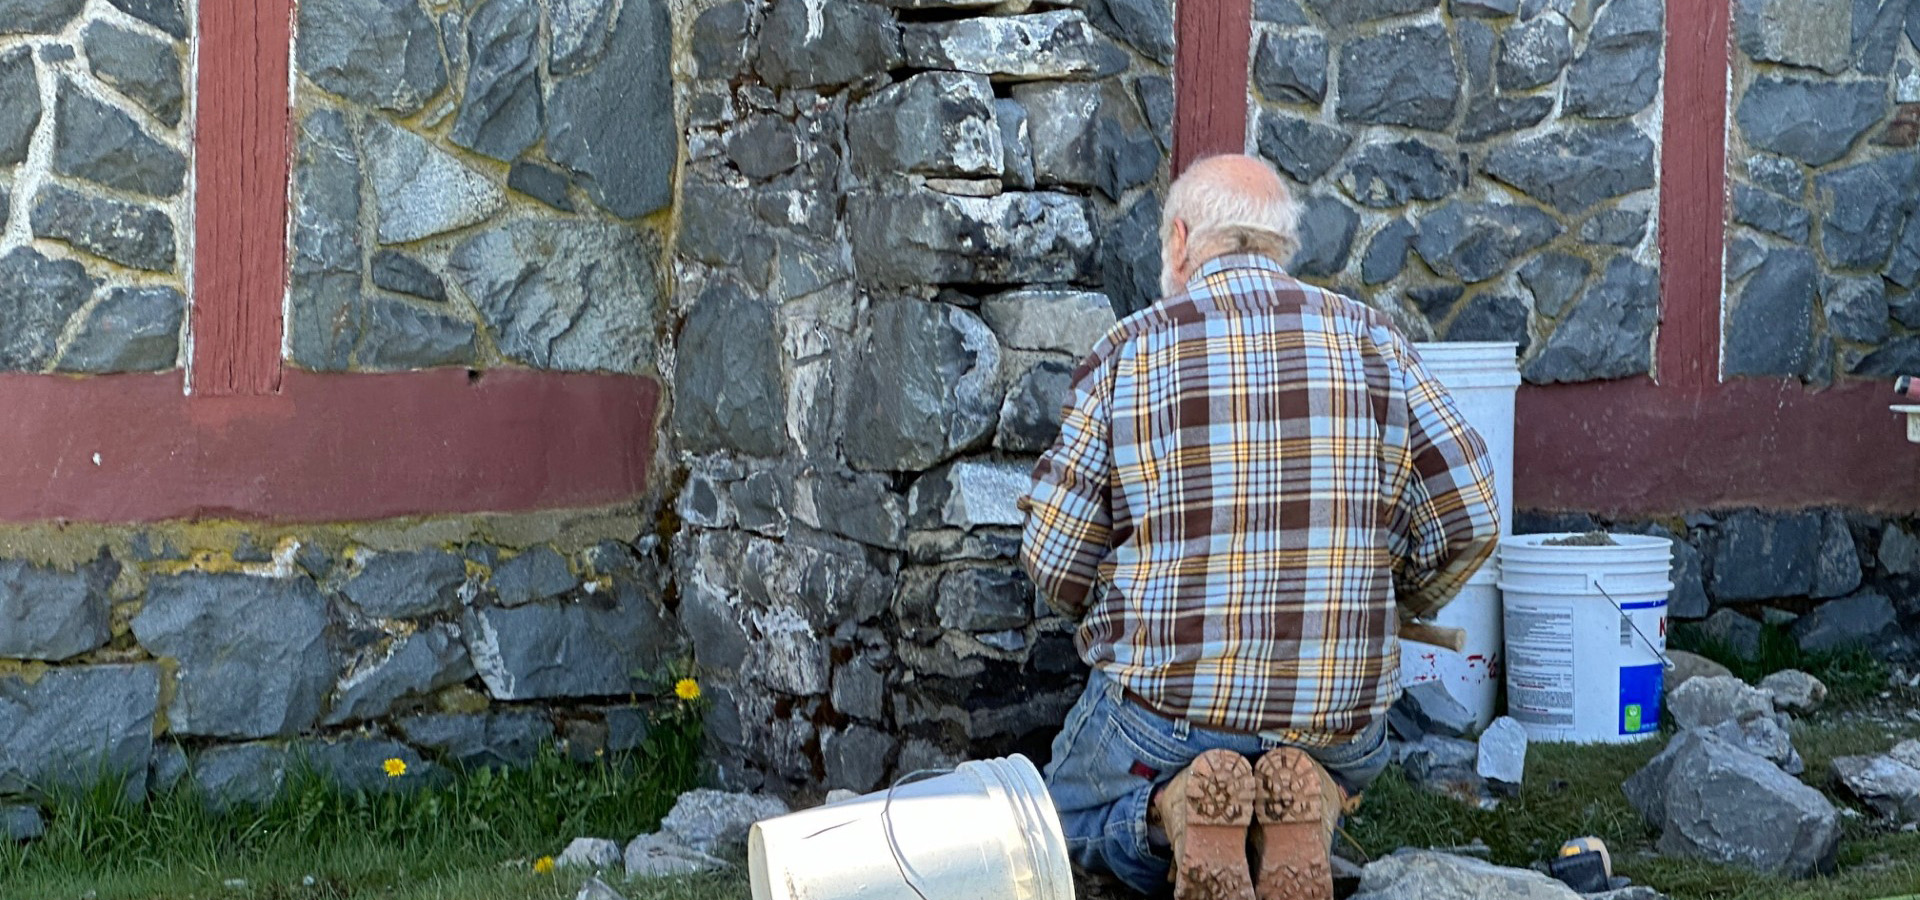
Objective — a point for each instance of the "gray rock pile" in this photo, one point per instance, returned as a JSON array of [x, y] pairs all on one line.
[[704, 830], [1430, 739], [1725, 790]]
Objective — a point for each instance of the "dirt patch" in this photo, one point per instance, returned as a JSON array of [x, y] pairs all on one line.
[[1590, 539]]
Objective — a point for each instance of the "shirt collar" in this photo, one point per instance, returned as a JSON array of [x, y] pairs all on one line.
[[1231, 262]]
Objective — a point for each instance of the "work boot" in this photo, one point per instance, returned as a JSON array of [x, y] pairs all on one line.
[[1296, 809], [1205, 811]]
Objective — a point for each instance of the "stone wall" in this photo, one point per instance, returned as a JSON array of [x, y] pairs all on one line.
[[1835, 579], [1823, 251], [94, 220], [1481, 170], [901, 224], [130, 652], [481, 184]]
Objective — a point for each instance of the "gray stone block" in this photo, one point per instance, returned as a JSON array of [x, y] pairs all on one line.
[[1016, 143], [1486, 9], [661, 856], [19, 105], [129, 330], [720, 40], [1608, 334], [75, 725], [856, 757], [1291, 68], [37, 16], [595, 854], [1876, 35], [407, 584], [937, 123], [1770, 327], [1403, 76], [398, 335], [144, 68], [1725, 805], [1490, 117], [421, 190], [1341, 13], [1708, 702], [1777, 174], [1765, 737], [766, 146], [1889, 785], [1688, 666], [969, 494], [324, 289], [1534, 54], [600, 646], [613, 124], [920, 237], [579, 30], [1761, 556], [731, 394], [1386, 254], [21, 823], [859, 690], [1898, 357], [356, 764], [234, 776], [403, 274], [1060, 44], [1812, 121], [1476, 242], [496, 740], [135, 236], [1146, 25], [1129, 256], [104, 145], [409, 665], [168, 768], [1302, 148], [501, 107], [1492, 317], [1327, 228], [1836, 572], [1388, 174], [858, 506], [382, 53], [1864, 621], [54, 615], [711, 821], [1813, 34], [1575, 168], [1436, 711], [567, 295], [167, 15], [1430, 875], [1030, 417], [252, 653], [1503, 752], [1863, 209], [1899, 551], [1738, 634], [1795, 691], [542, 183], [980, 599], [538, 573], [1556, 280], [1770, 213], [1280, 12], [1618, 74], [803, 45]]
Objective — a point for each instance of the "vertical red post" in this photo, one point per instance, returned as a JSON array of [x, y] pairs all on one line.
[[1693, 188], [1211, 43], [241, 152]]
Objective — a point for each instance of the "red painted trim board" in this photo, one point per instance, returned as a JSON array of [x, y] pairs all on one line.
[[326, 448], [1693, 193], [1211, 40], [241, 150]]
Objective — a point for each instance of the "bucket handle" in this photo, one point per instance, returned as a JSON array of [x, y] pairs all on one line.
[[1666, 664], [886, 820]]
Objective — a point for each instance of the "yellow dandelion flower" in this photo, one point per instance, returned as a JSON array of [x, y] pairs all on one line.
[[395, 767], [687, 689], [543, 866]]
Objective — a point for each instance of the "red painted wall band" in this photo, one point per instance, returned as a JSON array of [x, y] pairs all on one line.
[[241, 150], [1211, 39], [133, 448]]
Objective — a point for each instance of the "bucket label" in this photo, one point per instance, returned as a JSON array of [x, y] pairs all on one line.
[[1640, 698], [1540, 665]]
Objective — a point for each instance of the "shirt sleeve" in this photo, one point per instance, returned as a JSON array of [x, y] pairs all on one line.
[[1069, 511], [1449, 513]]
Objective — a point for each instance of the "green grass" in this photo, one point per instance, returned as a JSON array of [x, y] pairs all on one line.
[[474, 839], [1852, 677]]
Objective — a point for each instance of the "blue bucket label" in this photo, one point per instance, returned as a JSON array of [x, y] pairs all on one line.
[[1640, 691]]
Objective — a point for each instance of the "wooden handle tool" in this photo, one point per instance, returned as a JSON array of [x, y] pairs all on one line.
[[1454, 639]]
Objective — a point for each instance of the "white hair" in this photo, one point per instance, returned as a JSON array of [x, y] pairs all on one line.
[[1221, 221]]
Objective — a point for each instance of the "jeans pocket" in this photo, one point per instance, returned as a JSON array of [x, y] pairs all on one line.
[[1150, 739]]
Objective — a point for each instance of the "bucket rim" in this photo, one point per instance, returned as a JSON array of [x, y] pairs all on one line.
[[1025, 792], [1621, 543]]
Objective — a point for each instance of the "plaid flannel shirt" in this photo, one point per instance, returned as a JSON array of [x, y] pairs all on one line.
[[1255, 482]]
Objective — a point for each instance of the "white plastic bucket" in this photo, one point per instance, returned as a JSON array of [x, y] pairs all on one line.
[[1483, 379], [1472, 676], [986, 830], [1586, 636]]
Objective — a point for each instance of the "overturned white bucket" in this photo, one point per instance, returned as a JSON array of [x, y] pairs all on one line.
[[986, 830], [1483, 379], [1586, 636]]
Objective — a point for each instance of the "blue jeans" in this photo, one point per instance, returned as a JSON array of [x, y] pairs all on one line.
[[1111, 754]]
